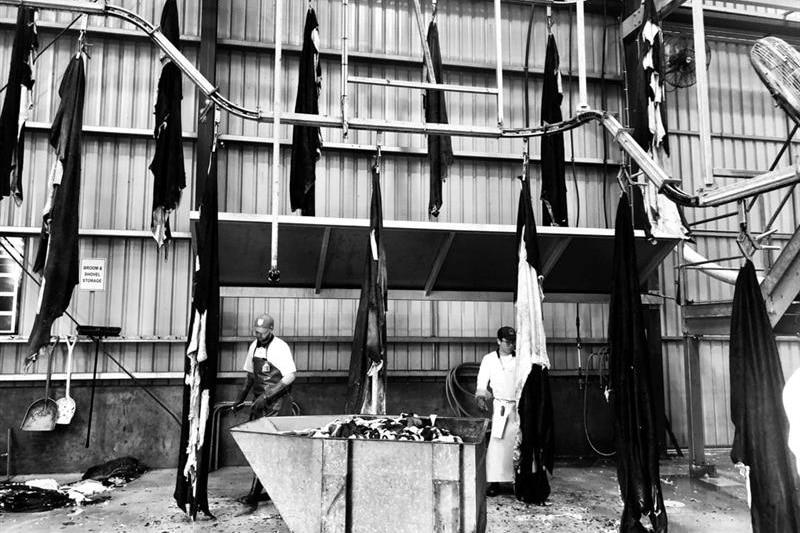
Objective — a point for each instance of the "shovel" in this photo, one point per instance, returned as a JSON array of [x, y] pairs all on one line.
[[66, 405], [42, 414]]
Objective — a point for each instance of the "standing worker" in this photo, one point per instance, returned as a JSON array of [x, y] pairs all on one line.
[[497, 372], [270, 373]]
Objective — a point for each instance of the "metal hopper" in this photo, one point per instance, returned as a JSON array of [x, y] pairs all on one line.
[[353, 485]]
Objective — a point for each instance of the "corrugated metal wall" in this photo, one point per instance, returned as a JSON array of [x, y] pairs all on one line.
[[148, 295]]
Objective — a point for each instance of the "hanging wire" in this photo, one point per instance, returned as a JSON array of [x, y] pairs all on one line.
[[603, 353], [48, 45]]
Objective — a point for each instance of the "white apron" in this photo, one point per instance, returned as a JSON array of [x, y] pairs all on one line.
[[499, 462]]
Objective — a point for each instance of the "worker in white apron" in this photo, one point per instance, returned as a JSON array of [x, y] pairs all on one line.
[[496, 382]]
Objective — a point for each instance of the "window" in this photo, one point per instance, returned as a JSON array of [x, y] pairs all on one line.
[[10, 280]]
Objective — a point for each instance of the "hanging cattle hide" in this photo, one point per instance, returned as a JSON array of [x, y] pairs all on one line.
[[306, 140], [761, 433], [554, 188], [368, 355], [440, 147], [17, 104], [57, 256], [202, 353], [169, 176], [634, 416], [533, 448]]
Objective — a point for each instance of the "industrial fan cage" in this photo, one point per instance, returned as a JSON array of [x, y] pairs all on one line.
[[778, 65]]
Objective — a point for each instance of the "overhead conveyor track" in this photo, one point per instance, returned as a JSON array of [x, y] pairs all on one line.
[[763, 183]]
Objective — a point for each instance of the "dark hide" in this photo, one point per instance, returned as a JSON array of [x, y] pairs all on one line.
[[306, 140], [757, 412], [526, 227], [634, 417], [169, 176], [124, 468], [20, 74], [369, 338], [57, 256], [554, 188], [535, 408], [440, 147], [536, 424], [205, 298]]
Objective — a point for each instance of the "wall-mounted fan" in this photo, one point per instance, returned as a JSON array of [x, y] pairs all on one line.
[[679, 61], [778, 65]]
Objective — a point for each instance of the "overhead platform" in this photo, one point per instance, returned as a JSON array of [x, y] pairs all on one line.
[[324, 258]]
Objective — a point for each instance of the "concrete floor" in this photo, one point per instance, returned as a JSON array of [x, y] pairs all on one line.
[[584, 499]]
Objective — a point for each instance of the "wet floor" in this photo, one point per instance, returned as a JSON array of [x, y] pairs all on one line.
[[584, 499]]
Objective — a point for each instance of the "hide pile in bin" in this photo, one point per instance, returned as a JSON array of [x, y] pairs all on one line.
[[404, 427]]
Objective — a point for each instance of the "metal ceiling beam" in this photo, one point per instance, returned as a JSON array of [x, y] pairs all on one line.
[[207, 64], [665, 7], [437, 264], [782, 284], [400, 294], [323, 257], [553, 255]]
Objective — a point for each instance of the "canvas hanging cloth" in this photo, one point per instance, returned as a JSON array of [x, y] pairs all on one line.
[[202, 352], [533, 448], [57, 255], [554, 188], [761, 433], [306, 140], [440, 147], [169, 176], [17, 104], [631, 398], [368, 355]]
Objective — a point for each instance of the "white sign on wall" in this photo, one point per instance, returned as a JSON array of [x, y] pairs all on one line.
[[93, 275]]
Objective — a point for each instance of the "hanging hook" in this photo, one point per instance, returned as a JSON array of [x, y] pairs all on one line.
[[525, 159], [549, 11], [744, 240], [310, 5], [435, 9], [83, 46], [215, 137], [378, 151]]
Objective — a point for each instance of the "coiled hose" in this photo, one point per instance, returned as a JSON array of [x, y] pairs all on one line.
[[460, 399]]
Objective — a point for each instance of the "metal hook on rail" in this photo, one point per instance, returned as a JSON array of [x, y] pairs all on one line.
[[215, 135], [435, 9], [745, 241], [379, 142], [83, 46], [207, 105], [549, 17], [525, 159]]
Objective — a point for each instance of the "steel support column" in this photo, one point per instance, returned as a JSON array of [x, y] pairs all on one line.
[[207, 64]]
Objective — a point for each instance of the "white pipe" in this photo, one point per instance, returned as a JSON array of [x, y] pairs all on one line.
[[714, 270], [274, 273], [498, 20], [583, 97], [344, 102], [703, 107]]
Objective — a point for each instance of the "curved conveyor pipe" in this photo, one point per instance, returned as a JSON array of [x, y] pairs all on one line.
[[760, 184]]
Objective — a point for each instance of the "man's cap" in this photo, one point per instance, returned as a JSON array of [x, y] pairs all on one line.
[[263, 323], [507, 333]]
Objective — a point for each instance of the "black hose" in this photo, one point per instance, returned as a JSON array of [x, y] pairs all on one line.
[[453, 389]]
